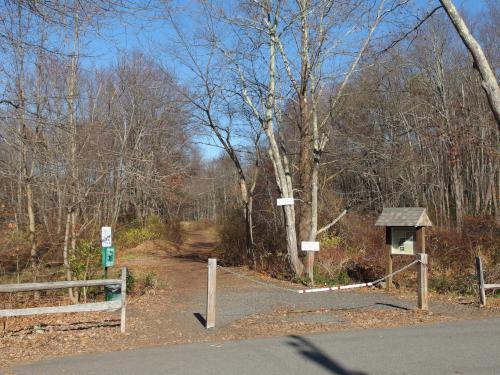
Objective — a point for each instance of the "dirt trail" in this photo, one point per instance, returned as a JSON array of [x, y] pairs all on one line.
[[172, 311], [186, 270]]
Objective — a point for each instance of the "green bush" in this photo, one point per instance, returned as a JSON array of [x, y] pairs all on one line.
[[130, 281], [340, 278], [330, 240], [154, 228], [86, 261], [464, 284], [320, 278], [134, 236], [150, 281]]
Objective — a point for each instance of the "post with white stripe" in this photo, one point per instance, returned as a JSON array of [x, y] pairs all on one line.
[[211, 282], [423, 302]]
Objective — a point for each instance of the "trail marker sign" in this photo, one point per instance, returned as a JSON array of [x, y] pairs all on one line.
[[285, 202], [403, 240], [309, 246], [106, 236]]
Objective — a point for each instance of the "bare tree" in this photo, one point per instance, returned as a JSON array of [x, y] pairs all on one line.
[[489, 82], [215, 108]]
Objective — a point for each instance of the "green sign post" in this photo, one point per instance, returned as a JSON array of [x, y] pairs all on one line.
[[108, 254]]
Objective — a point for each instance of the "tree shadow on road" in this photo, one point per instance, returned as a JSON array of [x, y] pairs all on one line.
[[393, 306], [201, 319], [315, 354]]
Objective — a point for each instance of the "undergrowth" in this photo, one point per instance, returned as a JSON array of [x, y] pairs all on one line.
[[354, 251], [134, 234]]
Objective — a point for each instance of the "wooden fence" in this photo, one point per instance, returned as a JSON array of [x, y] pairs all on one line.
[[86, 307], [482, 286]]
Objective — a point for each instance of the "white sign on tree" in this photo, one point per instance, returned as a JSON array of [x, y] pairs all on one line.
[[310, 246], [106, 236], [284, 201]]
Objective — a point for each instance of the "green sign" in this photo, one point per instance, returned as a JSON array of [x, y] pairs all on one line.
[[108, 256]]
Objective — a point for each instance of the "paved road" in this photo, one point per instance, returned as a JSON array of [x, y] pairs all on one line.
[[467, 347]]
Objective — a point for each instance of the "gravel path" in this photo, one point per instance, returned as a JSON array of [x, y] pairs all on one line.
[[244, 298]]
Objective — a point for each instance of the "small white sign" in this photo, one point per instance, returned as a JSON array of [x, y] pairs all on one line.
[[285, 201], [310, 246], [106, 236]]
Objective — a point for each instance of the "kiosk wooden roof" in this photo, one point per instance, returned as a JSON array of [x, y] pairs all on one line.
[[403, 217]]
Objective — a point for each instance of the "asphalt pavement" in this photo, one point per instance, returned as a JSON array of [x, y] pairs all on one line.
[[463, 347]]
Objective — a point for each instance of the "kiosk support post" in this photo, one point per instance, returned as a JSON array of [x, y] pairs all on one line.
[[388, 270]]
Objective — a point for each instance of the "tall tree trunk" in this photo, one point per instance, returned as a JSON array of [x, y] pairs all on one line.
[[27, 166], [306, 136], [279, 159], [280, 162], [72, 219]]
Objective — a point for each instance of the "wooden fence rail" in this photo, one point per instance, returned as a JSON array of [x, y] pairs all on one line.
[[28, 287], [86, 307], [480, 280]]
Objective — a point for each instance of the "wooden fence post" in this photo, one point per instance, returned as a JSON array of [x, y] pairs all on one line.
[[211, 285], [480, 280], [123, 299], [423, 299]]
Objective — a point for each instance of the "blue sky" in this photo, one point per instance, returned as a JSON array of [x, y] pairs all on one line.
[[150, 33], [137, 32]]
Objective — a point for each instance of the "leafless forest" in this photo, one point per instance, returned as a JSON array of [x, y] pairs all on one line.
[[342, 105]]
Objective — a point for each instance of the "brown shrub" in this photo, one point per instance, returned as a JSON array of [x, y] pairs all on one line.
[[354, 250], [355, 246], [452, 254], [174, 232], [269, 253], [231, 246]]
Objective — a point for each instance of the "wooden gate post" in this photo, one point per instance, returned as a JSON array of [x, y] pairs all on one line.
[[480, 281], [423, 302], [388, 251], [211, 284], [123, 299]]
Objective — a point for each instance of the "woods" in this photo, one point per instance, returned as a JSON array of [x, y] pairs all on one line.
[[345, 106]]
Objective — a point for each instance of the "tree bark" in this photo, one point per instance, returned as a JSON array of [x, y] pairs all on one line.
[[305, 133], [489, 82]]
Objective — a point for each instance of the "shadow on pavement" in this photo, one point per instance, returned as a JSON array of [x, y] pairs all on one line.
[[392, 305], [201, 319], [313, 353]]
